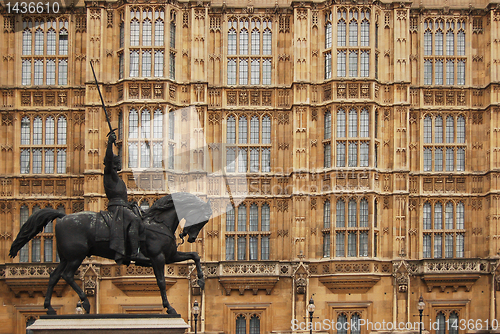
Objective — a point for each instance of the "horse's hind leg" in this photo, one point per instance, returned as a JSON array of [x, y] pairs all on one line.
[[69, 277], [54, 278], [159, 269]]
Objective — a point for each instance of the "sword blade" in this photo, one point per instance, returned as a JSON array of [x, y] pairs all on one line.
[[102, 100]]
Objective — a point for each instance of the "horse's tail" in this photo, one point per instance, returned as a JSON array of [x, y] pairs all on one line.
[[35, 224]]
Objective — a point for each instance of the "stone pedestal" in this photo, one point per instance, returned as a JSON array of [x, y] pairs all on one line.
[[110, 323]]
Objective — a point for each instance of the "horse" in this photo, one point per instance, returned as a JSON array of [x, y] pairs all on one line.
[[76, 239]]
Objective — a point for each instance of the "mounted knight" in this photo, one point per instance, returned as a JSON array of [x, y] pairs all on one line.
[[125, 222]]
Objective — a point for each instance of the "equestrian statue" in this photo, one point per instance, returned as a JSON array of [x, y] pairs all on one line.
[[83, 234], [122, 233]]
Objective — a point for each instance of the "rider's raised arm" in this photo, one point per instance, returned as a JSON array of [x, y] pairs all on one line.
[[108, 159]]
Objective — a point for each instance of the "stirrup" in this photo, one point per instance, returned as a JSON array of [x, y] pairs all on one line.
[[138, 257]]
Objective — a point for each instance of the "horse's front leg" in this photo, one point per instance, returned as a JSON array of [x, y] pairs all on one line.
[[159, 270], [183, 256]]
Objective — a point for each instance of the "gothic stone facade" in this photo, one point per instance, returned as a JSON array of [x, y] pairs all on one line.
[[367, 132]]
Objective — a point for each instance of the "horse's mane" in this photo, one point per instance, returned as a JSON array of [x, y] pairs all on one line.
[[184, 203], [160, 206]]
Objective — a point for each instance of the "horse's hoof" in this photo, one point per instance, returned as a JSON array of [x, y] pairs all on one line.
[[86, 306], [201, 283], [51, 311], [171, 310]]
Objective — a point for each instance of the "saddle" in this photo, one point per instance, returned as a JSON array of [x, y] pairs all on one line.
[[104, 224]]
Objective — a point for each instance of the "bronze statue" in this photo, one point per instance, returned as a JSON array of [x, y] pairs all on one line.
[[86, 233], [89, 233]]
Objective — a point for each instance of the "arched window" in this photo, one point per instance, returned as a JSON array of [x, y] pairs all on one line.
[[145, 124], [355, 324], [453, 323], [231, 40], [450, 129], [364, 123], [231, 130], [171, 125], [438, 130], [63, 41], [230, 218], [340, 217], [243, 42], [427, 220], [353, 28], [242, 160], [328, 125], [461, 43], [441, 323], [230, 160], [254, 218], [229, 248], [363, 213], [328, 35], [427, 129], [449, 216], [133, 158], [365, 28], [27, 40], [341, 27], [241, 327], [37, 131], [25, 131], [340, 154], [342, 324], [146, 31], [255, 41], [158, 124], [428, 38], [254, 324], [461, 129], [353, 218], [341, 123], [450, 43], [266, 130], [145, 155], [460, 216], [133, 124], [267, 43], [51, 42], [134, 32], [39, 37], [242, 217], [353, 123], [242, 130], [254, 130], [353, 154], [24, 252], [265, 217], [438, 216], [172, 34], [447, 239], [326, 214], [438, 43], [159, 32]]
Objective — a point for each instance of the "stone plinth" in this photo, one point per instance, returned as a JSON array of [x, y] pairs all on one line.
[[110, 323]]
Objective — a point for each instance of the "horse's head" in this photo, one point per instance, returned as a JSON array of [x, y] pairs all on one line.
[[195, 222]]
